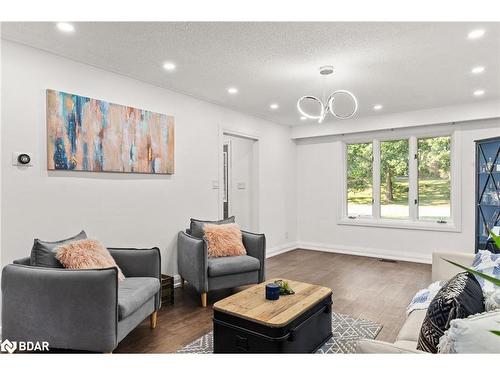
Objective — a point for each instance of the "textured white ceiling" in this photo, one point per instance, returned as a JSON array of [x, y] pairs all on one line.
[[403, 66]]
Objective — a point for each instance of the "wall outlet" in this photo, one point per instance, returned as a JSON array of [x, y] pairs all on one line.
[[22, 159], [242, 186], [215, 184], [286, 235]]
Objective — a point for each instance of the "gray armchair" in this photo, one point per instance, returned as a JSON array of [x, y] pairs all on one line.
[[81, 309], [207, 274]]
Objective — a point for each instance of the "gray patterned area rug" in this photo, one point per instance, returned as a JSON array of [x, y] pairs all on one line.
[[346, 332]]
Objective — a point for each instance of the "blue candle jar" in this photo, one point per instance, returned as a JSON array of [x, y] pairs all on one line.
[[272, 291]]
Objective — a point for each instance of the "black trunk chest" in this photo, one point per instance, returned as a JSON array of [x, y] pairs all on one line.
[[304, 334]]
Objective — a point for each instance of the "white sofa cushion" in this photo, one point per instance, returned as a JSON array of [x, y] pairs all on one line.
[[411, 328], [366, 346], [472, 334], [408, 345]]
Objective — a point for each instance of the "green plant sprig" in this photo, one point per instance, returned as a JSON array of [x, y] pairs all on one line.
[[284, 287], [496, 238], [492, 279]]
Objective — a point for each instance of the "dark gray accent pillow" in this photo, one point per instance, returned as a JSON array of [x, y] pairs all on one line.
[[196, 225], [460, 297], [43, 254]]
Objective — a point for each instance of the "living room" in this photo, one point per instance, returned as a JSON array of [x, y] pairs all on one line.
[[187, 188]]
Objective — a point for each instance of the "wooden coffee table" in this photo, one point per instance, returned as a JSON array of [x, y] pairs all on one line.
[[298, 323]]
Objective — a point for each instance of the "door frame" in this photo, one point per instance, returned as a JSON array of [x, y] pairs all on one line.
[[223, 131]]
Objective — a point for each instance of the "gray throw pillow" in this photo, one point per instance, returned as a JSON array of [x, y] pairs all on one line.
[[196, 226], [43, 252]]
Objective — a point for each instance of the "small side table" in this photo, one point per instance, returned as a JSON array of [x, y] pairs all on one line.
[[167, 289]]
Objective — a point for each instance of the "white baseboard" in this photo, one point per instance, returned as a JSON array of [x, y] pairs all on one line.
[[276, 250], [366, 252]]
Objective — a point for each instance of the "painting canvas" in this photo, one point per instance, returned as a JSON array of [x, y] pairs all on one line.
[[86, 134]]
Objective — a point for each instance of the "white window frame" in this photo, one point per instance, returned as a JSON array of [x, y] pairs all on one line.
[[454, 222]]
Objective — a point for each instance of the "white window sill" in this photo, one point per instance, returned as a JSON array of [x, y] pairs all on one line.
[[401, 224]]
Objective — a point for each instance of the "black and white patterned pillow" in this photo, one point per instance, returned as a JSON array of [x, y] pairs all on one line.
[[460, 297]]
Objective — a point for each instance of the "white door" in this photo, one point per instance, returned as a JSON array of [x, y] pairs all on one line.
[[239, 195]]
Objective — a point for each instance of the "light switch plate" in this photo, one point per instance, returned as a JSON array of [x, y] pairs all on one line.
[[215, 184], [242, 185]]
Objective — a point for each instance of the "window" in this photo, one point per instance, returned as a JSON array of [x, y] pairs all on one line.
[[359, 180], [400, 182], [394, 184], [434, 178]]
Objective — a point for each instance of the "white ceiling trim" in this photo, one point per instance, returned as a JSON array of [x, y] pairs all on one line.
[[458, 113]]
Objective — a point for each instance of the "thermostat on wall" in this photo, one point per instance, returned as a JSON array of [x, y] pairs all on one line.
[[21, 159]]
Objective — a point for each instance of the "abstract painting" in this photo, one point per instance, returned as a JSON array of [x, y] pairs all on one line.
[[86, 134]]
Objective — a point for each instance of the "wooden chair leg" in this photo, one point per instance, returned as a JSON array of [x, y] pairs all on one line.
[[204, 299], [152, 319]]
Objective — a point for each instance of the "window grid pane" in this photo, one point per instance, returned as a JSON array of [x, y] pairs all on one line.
[[360, 180], [394, 179], [434, 178]]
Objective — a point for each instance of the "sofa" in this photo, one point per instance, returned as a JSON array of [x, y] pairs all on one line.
[[81, 309], [207, 274], [407, 339]]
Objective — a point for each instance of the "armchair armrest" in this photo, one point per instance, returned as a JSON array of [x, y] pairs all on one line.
[[139, 263], [192, 260], [70, 309], [442, 270], [255, 245]]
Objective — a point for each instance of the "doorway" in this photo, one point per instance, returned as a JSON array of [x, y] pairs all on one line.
[[239, 190]]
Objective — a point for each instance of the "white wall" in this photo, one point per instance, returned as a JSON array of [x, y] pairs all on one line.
[[126, 209], [319, 169]]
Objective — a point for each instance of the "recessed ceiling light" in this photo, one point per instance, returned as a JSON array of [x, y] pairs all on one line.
[[274, 106], [477, 70], [65, 27], [232, 90], [169, 66], [479, 93], [303, 118], [475, 34], [377, 107]]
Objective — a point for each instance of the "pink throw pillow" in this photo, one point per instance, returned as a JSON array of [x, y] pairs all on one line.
[[86, 254], [224, 240]]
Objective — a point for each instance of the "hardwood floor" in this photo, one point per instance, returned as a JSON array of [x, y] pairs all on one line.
[[362, 287]]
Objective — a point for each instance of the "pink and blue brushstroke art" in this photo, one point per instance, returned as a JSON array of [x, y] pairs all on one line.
[[86, 134]]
